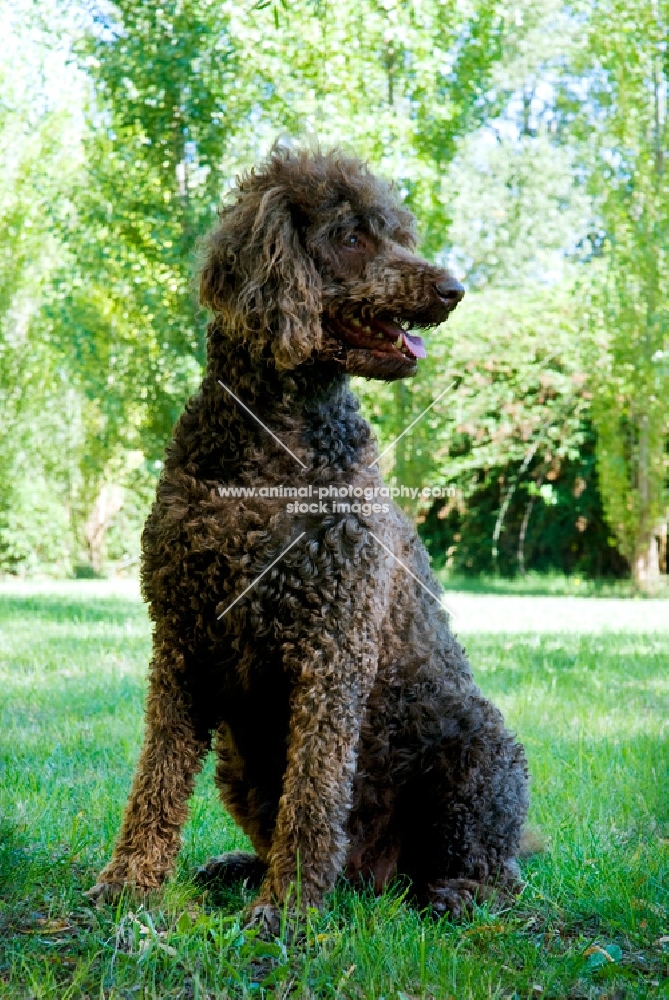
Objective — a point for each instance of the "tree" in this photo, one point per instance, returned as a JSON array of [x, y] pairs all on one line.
[[43, 421], [185, 93], [502, 126], [163, 81], [398, 82], [626, 116]]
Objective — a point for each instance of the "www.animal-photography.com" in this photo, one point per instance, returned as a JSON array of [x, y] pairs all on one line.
[[334, 497]]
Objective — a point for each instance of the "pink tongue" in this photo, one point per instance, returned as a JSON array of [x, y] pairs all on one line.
[[414, 345]]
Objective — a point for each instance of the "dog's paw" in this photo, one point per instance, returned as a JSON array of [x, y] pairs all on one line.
[[510, 878], [455, 897], [109, 893], [105, 892], [263, 917]]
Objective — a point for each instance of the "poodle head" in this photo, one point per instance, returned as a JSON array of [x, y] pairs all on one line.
[[313, 259]]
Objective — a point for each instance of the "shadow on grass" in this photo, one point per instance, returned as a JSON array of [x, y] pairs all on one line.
[[15, 866]]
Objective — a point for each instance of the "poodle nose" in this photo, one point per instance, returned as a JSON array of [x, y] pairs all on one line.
[[449, 291]]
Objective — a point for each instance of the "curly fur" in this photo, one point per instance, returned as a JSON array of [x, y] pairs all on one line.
[[350, 735]]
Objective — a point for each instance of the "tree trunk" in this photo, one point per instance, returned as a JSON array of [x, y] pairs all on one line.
[[107, 505], [523, 530], [646, 564], [664, 562], [646, 561]]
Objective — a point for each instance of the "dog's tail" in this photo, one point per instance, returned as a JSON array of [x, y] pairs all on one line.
[[532, 841]]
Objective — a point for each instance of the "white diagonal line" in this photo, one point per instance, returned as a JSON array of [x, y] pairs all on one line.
[[439, 599], [264, 426], [261, 575], [412, 424]]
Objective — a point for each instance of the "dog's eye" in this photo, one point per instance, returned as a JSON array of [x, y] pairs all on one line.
[[352, 240]]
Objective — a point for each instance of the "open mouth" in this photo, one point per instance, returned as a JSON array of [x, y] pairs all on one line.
[[383, 338]]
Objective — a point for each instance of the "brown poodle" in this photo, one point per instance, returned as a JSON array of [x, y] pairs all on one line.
[[305, 637]]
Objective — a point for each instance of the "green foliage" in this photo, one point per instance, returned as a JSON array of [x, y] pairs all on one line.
[[520, 387], [518, 211], [399, 82], [629, 312], [123, 537], [553, 521], [511, 439], [42, 442], [159, 120], [530, 141]]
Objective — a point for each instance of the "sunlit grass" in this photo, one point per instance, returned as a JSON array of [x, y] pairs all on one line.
[[548, 584], [591, 709]]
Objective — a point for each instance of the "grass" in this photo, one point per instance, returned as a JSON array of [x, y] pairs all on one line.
[[592, 921], [548, 584]]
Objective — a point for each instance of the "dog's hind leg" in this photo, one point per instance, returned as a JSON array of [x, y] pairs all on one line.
[[249, 777], [157, 808], [463, 813], [254, 811], [227, 870]]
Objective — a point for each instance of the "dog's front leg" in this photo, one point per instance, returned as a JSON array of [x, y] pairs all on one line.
[[170, 758], [309, 843]]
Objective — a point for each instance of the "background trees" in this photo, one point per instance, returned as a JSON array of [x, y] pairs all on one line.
[[629, 310], [529, 139], [41, 449]]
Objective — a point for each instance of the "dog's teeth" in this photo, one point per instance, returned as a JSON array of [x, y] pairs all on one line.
[[367, 329], [398, 342], [355, 321]]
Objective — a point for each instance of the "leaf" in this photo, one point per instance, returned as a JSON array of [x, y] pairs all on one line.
[[485, 929], [265, 949], [597, 956], [46, 926]]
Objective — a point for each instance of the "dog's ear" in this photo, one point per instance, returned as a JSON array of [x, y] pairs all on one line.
[[257, 273]]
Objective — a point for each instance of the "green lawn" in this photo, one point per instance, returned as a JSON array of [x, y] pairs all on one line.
[[591, 707], [547, 584]]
